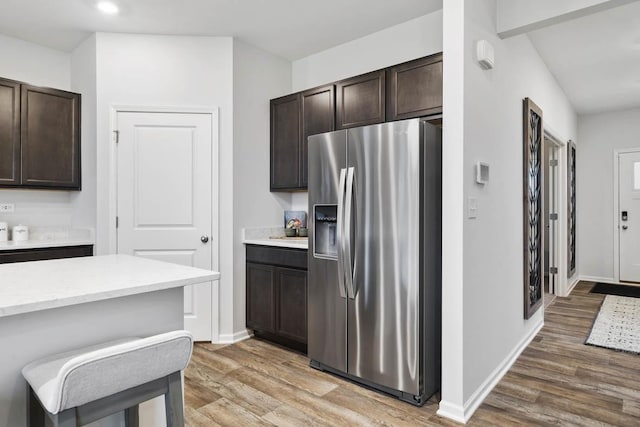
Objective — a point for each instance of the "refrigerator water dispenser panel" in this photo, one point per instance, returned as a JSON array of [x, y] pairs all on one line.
[[324, 231]]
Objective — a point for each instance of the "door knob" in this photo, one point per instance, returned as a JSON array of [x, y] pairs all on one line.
[[624, 227], [204, 239]]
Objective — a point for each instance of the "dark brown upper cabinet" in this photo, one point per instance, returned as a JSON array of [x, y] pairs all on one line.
[[360, 100], [39, 137], [318, 116], [293, 119], [414, 89], [50, 138], [285, 142], [404, 91], [9, 132]]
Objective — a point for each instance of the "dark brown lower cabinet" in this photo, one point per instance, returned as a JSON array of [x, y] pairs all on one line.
[[277, 295], [40, 254]]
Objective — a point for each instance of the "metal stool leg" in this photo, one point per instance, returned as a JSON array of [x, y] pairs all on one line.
[[173, 401], [35, 412], [65, 418]]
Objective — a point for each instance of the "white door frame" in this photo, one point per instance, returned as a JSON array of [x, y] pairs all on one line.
[[561, 286], [616, 209], [215, 172]]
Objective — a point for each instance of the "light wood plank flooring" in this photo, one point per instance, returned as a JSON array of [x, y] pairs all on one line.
[[557, 380]]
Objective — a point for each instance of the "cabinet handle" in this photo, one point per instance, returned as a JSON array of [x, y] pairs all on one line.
[[204, 239]]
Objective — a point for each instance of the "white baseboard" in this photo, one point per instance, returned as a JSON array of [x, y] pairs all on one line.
[[451, 411], [610, 280], [572, 285], [463, 414], [233, 338]]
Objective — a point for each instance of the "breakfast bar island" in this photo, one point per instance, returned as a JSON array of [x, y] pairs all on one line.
[[48, 307]]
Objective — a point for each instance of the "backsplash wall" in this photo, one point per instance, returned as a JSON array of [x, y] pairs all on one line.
[[42, 208], [300, 202]]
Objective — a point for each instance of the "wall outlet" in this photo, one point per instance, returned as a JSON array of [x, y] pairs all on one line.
[[7, 207]]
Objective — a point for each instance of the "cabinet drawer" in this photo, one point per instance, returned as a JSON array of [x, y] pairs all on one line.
[[285, 257], [23, 255]]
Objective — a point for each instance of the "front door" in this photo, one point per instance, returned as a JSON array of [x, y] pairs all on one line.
[[164, 201], [629, 216]]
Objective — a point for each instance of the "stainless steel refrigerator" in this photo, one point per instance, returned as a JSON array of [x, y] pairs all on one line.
[[375, 256]]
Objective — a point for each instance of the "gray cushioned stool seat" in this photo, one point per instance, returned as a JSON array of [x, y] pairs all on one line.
[[78, 377]]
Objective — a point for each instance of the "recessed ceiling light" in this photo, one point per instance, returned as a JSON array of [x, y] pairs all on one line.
[[107, 7]]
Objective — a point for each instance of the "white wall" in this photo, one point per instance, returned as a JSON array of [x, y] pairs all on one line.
[[258, 76], [170, 71], [83, 80], [599, 135], [489, 289], [30, 63], [418, 37]]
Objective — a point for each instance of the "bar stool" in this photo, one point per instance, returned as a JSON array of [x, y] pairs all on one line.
[[81, 386]]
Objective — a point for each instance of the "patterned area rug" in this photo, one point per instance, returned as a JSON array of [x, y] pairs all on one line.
[[617, 325]]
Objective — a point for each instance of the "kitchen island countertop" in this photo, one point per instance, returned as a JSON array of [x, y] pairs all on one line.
[[40, 285]]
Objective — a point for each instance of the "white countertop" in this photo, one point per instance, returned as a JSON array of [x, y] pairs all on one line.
[[39, 285], [35, 244], [272, 236], [51, 237], [282, 242]]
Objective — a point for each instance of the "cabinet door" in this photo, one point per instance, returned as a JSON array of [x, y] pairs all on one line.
[[318, 116], [261, 297], [9, 132], [285, 142], [50, 138], [360, 100], [292, 304], [414, 88]]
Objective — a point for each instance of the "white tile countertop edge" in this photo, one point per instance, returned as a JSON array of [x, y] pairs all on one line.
[[40, 285], [37, 244], [294, 244], [262, 236], [51, 237]]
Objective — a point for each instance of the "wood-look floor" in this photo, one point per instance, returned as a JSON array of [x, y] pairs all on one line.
[[557, 380]]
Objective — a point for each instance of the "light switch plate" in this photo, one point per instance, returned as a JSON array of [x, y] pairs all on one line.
[[7, 207], [472, 207]]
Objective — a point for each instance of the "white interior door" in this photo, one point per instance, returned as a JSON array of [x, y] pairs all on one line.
[[629, 216], [164, 201]]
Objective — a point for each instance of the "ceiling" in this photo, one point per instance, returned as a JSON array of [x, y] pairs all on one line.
[[596, 58], [291, 29]]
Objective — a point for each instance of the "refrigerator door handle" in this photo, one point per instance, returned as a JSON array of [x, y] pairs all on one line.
[[340, 233], [348, 212]]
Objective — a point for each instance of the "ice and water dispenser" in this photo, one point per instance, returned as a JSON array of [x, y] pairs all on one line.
[[324, 231]]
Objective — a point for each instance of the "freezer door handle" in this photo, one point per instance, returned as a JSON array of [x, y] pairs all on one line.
[[340, 233], [348, 220]]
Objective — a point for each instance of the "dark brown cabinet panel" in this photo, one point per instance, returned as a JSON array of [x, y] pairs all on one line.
[[277, 295], [261, 303], [292, 301], [50, 138], [22, 255], [414, 89], [9, 132], [360, 100], [318, 116], [39, 137], [285, 143], [408, 90]]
